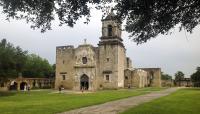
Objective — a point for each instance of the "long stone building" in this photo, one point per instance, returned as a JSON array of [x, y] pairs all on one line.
[[103, 67]]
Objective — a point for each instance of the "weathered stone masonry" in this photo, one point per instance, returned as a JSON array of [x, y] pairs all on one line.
[[103, 67]]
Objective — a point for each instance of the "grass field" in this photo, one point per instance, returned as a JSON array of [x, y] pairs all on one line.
[[184, 101], [46, 102]]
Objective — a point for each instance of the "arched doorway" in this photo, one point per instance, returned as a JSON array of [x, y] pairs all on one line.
[[84, 82], [23, 86], [110, 30], [13, 85]]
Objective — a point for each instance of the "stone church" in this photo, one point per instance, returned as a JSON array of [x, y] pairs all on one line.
[[103, 67]]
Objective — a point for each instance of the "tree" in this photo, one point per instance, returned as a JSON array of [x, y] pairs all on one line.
[[145, 18], [15, 62], [37, 67], [165, 76], [166, 80], [178, 77], [195, 77], [12, 60]]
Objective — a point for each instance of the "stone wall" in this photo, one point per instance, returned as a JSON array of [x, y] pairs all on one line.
[[136, 78], [65, 67], [128, 78], [128, 63], [155, 76], [121, 66], [139, 78], [108, 66], [167, 83], [69, 63]]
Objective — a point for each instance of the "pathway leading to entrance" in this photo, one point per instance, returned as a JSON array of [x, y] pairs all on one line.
[[114, 107]]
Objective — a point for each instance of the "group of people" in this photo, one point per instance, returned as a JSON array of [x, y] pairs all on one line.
[[27, 87], [62, 88]]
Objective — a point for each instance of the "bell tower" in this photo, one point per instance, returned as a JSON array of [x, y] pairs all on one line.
[[111, 30], [111, 53]]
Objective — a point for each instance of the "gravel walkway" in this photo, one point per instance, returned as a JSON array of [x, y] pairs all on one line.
[[117, 106]]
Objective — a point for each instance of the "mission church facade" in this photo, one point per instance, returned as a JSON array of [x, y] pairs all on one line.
[[103, 67]]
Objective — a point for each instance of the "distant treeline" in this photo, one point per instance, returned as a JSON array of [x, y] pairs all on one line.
[[16, 62]]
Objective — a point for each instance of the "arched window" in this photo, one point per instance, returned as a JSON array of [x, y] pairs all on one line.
[[63, 76], [84, 60], [107, 77], [109, 30]]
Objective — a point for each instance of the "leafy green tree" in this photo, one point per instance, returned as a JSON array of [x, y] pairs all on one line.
[[178, 77], [145, 18], [165, 76], [15, 62], [12, 60], [195, 77], [54, 70], [36, 67], [20, 59]]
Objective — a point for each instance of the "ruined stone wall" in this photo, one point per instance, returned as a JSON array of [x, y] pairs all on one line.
[[128, 78], [154, 75], [128, 63], [135, 78], [139, 78], [167, 83]]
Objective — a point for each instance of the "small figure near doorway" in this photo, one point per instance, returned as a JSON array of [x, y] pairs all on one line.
[[25, 87], [60, 88], [129, 86], [82, 89], [29, 87]]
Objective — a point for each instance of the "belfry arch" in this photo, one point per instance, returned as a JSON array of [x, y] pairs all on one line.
[[110, 30]]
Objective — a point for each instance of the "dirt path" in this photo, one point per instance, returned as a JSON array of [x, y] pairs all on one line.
[[114, 107]]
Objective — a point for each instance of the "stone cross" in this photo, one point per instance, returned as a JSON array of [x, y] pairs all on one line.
[[107, 10]]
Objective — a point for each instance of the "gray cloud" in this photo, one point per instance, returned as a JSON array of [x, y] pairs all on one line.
[[170, 52]]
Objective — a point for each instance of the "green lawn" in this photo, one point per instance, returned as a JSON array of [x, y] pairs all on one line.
[[46, 102], [184, 101]]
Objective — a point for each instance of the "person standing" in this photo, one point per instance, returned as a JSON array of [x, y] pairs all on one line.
[[60, 89], [25, 87], [29, 87]]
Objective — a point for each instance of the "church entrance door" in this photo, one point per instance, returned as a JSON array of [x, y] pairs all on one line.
[[84, 82]]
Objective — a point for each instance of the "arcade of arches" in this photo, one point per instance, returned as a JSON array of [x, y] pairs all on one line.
[[23, 83]]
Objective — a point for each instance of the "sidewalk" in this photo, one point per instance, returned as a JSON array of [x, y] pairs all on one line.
[[114, 107]]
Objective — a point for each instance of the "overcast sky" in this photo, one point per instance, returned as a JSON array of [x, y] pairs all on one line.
[[178, 51]]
